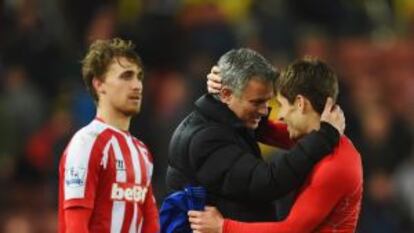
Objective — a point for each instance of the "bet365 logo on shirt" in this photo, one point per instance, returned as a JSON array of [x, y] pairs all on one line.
[[128, 192]]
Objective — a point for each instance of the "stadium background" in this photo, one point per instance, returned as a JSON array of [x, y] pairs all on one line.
[[370, 43]]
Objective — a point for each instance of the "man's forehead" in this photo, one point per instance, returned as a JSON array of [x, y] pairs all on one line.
[[258, 85], [257, 92], [125, 63]]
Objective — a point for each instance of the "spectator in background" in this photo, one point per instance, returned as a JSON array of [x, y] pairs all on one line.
[[29, 42], [19, 98], [404, 189]]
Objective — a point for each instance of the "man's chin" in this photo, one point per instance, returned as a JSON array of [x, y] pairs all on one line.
[[253, 126], [131, 112], [293, 136]]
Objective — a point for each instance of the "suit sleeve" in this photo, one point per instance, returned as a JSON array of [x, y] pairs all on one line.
[[326, 187], [224, 168], [151, 223], [274, 133]]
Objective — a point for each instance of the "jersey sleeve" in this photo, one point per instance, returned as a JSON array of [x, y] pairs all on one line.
[[80, 170], [313, 205], [77, 220]]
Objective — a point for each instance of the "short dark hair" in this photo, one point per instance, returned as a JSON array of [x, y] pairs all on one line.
[[100, 55], [238, 66], [311, 78]]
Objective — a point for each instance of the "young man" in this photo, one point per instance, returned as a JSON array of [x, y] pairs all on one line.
[[105, 172], [330, 198], [216, 145]]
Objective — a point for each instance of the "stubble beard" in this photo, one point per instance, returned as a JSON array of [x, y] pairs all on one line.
[[131, 112]]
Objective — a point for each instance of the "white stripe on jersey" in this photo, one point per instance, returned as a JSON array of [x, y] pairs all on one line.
[[138, 178], [104, 161], [118, 207], [77, 160], [135, 160], [121, 174], [140, 225], [118, 212], [133, 227], [144, 153]]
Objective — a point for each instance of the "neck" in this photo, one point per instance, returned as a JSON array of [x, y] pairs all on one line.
[[314, 122], [114, 118]]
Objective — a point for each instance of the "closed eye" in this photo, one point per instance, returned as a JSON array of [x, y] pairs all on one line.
[[259, 102]]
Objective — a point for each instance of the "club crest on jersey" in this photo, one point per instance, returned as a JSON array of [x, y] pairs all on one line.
[[128, 192], [75, 176]]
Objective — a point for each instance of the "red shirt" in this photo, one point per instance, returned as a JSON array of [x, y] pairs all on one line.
[[108, 171], [329, 201]]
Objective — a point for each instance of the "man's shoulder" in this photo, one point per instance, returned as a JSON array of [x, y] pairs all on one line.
[[346, 153], [86, 143], [343, 164], [91, 134], [197, 124], [142, 147]]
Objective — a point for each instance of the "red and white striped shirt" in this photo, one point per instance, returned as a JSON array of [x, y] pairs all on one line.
[[108, 171]]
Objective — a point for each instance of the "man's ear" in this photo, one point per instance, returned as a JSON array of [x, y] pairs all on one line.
[[225, 94], [97, 84], [301, 103]]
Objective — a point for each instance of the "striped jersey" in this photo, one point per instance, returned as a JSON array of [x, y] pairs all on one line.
[[108, 171]]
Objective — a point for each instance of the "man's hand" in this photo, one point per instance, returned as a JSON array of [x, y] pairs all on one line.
[[334, 115], [208, 221], [214, 81]]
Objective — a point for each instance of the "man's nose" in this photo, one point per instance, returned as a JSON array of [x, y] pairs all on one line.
[[137, 84], [264, 110]]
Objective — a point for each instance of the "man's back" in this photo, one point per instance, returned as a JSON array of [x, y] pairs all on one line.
[[344, 171]]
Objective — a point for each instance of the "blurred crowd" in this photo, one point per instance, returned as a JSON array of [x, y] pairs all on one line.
[[370, 44]]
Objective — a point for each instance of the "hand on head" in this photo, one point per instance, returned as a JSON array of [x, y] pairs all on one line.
[[334, 115], [214, 81]]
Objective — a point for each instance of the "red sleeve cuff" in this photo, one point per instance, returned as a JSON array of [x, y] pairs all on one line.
[[78, 203], [227, 225]]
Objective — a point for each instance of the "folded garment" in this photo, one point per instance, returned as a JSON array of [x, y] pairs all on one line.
[[173, 212]]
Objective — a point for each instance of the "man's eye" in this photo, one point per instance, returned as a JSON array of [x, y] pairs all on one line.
[[126, 75], [141, 77]]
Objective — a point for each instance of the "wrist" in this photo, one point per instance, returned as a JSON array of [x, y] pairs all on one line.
[[330, 133]]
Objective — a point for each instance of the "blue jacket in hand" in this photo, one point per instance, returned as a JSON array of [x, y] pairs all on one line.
[[173, 212]]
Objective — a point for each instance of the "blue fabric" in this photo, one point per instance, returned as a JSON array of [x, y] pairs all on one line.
[[173, 212]]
